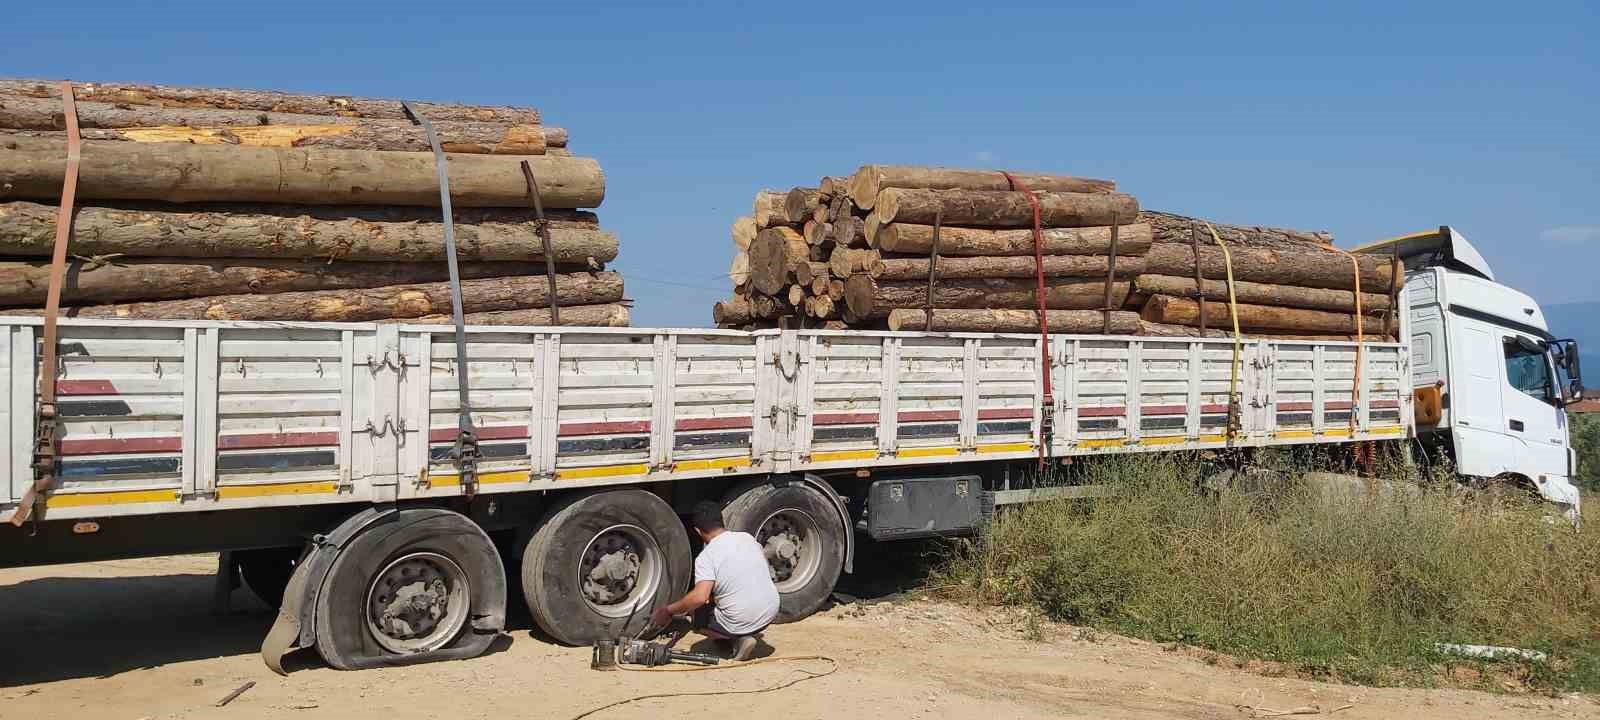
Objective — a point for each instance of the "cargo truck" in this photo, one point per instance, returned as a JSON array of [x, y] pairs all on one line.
[[328, 460]]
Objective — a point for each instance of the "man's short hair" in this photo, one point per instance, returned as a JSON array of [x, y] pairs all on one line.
[[707, 516]]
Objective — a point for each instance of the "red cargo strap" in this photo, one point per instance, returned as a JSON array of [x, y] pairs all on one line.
[[44, 448], [1044, 322]]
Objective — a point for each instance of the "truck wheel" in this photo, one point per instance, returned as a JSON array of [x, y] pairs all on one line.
[[266, 571], [803, 538], [599, 563], [425, 584]]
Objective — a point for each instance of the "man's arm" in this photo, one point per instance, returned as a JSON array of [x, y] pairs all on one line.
[[696, 598]]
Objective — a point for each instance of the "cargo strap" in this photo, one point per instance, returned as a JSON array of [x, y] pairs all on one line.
[[465, 451], [542, 228], [45, 455], [1234, 400], [933, 269], [1394, 291], [1111, 276], [1355, 389], [1047, 402], [1199, 277]]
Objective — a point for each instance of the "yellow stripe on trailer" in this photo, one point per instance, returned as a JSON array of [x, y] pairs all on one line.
[[1336, 432], [1164, 440], [1219, 437], [1005, 448], [723, 463], [124, 497], [840, 455], [1288, 434], [602, 471], [927, 452], [1102, 442], [1386, 430], [229, 492], [492, 478]]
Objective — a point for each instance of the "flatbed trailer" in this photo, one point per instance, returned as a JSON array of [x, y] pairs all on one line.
[[302, 449]]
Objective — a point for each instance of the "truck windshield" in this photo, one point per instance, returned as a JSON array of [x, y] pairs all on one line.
[[1527, 370]]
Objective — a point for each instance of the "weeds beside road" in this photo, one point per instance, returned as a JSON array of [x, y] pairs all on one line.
[[1352, 583]]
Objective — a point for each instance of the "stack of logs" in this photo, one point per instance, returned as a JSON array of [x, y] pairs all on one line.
[[857, 253], [244, 205]]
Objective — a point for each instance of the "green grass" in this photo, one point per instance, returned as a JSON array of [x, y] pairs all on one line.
[[1356, 584]]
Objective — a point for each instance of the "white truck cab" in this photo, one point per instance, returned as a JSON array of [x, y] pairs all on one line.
[[1491, 381]]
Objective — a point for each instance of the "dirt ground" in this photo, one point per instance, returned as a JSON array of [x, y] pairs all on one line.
[[137, 639]]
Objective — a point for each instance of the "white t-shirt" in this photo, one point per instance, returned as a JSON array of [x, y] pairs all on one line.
[[745, 598]]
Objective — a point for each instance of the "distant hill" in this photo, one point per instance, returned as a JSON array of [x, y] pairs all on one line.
[[1580, 321]]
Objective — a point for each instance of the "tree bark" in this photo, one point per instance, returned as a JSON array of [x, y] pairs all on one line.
[[175, 172], [732, 311], [269, 101], [1182, 311], [768, 209], [744, 230], [24, 283], [278, 231], [771, 255], [1172, 228], [381, 303], [869, 299], [799, 202], [608, 315], [1154, 329], [1308, 268], [870, 180], [918, 240], [957, 268], [1263, 294], [1014, 321], [850, 231], [1000, 209], [844, 262], [833, 187]]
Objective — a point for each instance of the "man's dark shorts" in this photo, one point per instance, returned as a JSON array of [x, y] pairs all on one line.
[[706, 619]]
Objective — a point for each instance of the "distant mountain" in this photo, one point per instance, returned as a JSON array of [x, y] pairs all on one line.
[[1580, 321]]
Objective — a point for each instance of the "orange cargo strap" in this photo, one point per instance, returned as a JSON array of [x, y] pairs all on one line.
[[1047, 403], [1234, 399], [1355, 389], [45, 457]]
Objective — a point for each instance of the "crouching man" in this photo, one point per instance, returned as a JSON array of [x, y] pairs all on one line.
[[733, 597]]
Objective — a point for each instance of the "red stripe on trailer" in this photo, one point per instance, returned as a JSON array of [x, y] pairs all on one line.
[[1102, 411], [929, 415], [1154, 410], [98, 446], [85, 387], [1334, 405], [727, 423], [277, 440], [617, 427], [495, 432], [1006, 414], [1294, 407], [1384, 404], [844, 418]]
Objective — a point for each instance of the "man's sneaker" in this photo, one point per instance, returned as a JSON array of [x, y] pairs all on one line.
[[744, 647]]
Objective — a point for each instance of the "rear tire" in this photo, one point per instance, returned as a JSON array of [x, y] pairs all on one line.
[[599, 563], [799, 528], [421, 585]]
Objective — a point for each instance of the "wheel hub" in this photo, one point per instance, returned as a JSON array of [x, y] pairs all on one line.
[[418, 602], [789, 541], [611, 567]]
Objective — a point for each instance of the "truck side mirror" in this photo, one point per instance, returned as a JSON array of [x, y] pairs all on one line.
[[1566, 356]]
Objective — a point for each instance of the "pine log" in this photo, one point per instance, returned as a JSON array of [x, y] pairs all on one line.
[[1000, 209], [1172, 228], [844, 262], [279, 231], [269, 101], [822, 214], [918, 240], [1154, 329], [957, 268], [832, 187], [772, 253], [1306, 268], [814, 232], [739, 269], [799, 202], [1263, 294], [796, 295], [870, 180], [607, 315], [768, 209], [807, 271], [33, 168], [836, 289], [1183, 311], [732, 311], [869, 299], [822, 307], [24, 283], [744, 230], [1014, 321], [850, 231], [381, 303], [818, 285]]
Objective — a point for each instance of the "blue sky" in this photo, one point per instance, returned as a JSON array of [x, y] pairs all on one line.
[[1366, 119]]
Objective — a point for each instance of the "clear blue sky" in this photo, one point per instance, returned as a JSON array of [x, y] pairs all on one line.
[[1367, 119]]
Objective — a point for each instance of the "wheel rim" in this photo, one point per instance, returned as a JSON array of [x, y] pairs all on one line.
[[418, 602], [792, 542], [620, 568]]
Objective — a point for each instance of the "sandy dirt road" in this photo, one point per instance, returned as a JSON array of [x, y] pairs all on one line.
[[136, 639]]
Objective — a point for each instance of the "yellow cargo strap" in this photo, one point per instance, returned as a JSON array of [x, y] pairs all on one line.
[[1355, 390], [1238, 342]]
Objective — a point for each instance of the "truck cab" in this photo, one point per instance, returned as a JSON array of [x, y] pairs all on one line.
[[1490, 380]]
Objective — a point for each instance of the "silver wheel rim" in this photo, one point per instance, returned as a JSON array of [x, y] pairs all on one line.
[[619, 570], [417, 603], [792, 542]]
